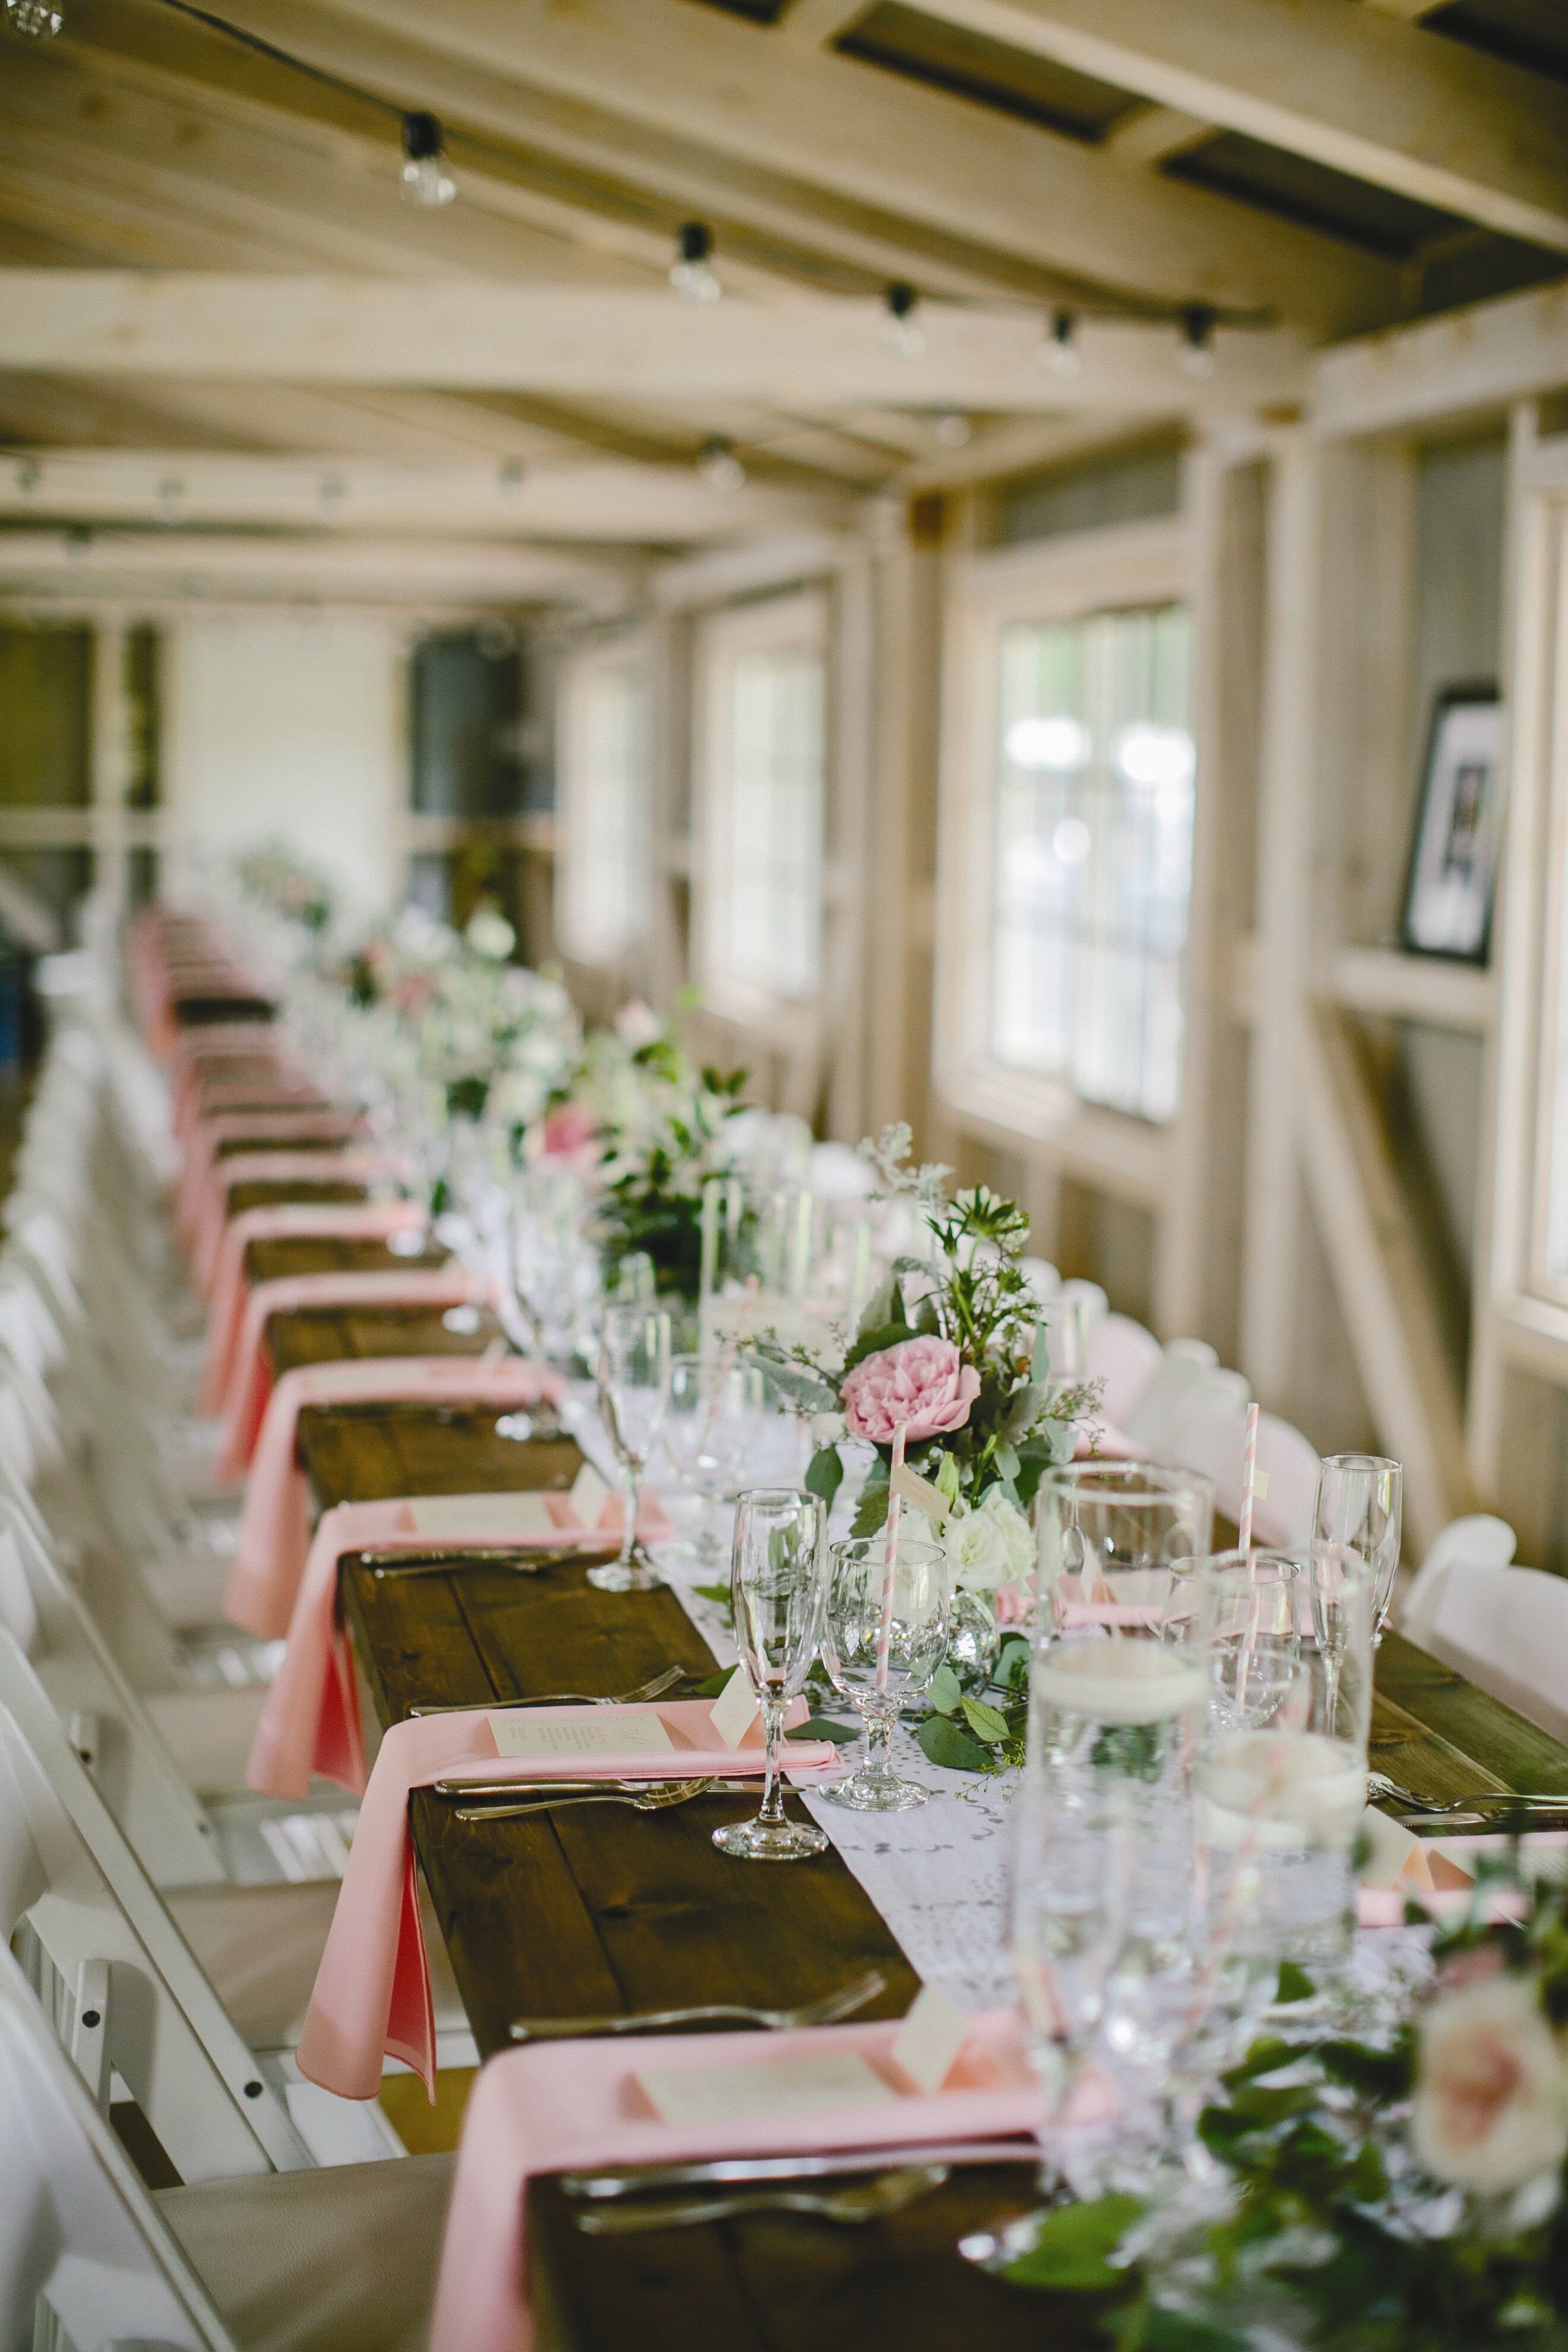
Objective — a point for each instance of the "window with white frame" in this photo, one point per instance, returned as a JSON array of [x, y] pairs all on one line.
[[1093, 847], [604, 811], [763, 771], [1068, 776]]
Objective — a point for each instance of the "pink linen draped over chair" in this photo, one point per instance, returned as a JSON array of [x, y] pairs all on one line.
[[290, 1221]]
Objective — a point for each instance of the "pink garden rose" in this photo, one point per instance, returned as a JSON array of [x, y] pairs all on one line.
[[923, 1383], [570, 1132]]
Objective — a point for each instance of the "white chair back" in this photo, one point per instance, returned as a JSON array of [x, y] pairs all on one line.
[[1182, 1392], [83, 2250], [1214, 1439], [109, 1967], [1477, 1540], [1507, 1629], [1125, 1357]]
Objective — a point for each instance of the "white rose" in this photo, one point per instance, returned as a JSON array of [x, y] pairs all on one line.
[[489, 934], [1491, 2111], [991, 1546]]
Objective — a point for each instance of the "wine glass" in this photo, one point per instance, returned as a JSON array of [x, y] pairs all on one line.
[[714, 1402], [1340, 1586], [633, 1385], [1359, 1507], [777, 1589], [884, 1637]]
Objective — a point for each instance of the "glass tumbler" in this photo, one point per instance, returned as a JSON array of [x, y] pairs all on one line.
[[884, 1637]]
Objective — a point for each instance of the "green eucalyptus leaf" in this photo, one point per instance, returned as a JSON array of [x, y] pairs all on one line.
[[942, 1742], [883, 1306], [825, 1475], [945, 1691], [1006, 1462], [821, 1726], [806, 1390], [1073, 2243], [1294, 1984], [985, 1722], [871, 1510]]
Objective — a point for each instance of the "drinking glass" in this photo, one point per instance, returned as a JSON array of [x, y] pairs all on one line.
[[633, 1385], [884, 1637], [548, 1258], [715, 1406], [1338, 1585], [756, 1261], [1281, 1772], [1359, 1507], [776, 1586]]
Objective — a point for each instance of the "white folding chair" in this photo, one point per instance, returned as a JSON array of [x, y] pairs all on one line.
[[1125, 1357], [1182, 1392], [1477, 1540], [1507, 1629]]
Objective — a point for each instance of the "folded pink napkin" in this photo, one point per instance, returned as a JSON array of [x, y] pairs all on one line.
[[310, 1129], [576, 2105], [367, 1221], [275, 1528], [1436, 1873], [195, 1102], [371, 1996], [245, 1398], [323, 1167], [310, 1722]]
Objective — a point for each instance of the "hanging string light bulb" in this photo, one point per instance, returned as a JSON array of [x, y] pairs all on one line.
[[34, 20], [691, 272], [1197, 340], [718, 466], [427, 181], [1059, 352], [902, 330]]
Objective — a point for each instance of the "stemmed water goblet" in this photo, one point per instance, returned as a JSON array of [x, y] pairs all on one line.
[[1339, 1584], [884, 1635], [633, 1385], [1359, 1508], [715, 1402], [777, 1588]]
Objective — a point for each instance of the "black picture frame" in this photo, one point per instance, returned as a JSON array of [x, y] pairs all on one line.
[[1451, 878]]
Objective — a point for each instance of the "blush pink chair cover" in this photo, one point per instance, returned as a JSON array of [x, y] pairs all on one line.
[[575, 2104], [371, 1996], [274, 1526]]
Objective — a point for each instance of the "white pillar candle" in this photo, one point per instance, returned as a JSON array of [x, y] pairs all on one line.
[[1119, 1682]]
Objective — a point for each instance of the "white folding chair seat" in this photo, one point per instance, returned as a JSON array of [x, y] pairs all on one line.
[[338, 2261], [1125, 1357], [1507, 1629], [1477, 1540], [1182, 1390]]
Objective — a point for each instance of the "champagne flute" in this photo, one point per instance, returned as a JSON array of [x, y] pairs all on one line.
[[884, 1637], [1339, 1585], [714, 1403], [777, 1588], [1358, 1508], [634, 1386]]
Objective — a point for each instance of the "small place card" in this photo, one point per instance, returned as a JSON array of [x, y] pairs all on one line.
[[500, 1518], [1259, 1485], [544, 1735], [735, 1709], [589, 1496], [929, 2040], [913, 1488], [773, 2087]]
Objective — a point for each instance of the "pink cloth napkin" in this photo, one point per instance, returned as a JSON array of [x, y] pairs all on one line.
[[310, 1722], [372, 1995], [275, 1528], [348, 1167], [291, 1220], [575, 2104], [199, 1179], [1438, 1877], [249, 1381], [195, 1102]]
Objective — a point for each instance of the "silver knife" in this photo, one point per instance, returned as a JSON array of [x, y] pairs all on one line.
[[635, 2180], [752, 1785]]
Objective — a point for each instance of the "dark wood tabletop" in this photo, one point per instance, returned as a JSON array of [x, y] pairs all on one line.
[[291, 1254], [267, 1193], [608, 1910]]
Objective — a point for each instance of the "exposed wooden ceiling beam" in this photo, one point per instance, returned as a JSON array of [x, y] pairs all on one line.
[[811, 24], [1154, 132], [375, 572], [812, 353], [848, 128], [605, 502], [1351, 87]]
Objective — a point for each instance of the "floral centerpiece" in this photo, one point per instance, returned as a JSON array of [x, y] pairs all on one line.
[[275, 879], [1404, 2192], [662, 1124], [498, 1039], [948, 1352]]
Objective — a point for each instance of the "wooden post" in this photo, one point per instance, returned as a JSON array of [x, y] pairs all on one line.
[[110, 756]]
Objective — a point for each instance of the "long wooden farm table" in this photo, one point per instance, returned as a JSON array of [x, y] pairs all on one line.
[[605, 1909]]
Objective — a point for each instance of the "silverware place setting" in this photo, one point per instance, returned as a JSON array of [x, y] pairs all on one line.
[[653, 1688], [856, 2202], [826, 2011]]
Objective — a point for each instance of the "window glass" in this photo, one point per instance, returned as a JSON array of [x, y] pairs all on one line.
[[605, 804], [1094, 853]]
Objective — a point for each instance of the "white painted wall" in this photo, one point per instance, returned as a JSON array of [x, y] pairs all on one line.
[[290, 730]]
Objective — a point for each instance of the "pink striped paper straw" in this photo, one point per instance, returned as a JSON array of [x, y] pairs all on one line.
[[890, 1555], [1248, 1481]]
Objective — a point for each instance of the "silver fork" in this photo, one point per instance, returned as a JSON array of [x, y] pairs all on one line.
[[859, 2201], [655, 1797], [653, 1688], [827, 2011], [1485, 1801]]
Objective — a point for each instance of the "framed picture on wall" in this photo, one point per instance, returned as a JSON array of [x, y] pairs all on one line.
[[1453, 857]]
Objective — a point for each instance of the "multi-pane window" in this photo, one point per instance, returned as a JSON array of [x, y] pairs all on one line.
[[763, 767], [604, 777], [1093, 847]]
